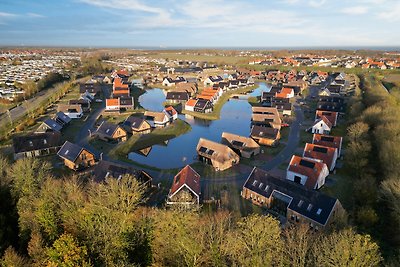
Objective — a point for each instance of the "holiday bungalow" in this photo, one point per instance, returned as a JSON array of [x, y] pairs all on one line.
[[185, 189], [306, 171], [221, 157]]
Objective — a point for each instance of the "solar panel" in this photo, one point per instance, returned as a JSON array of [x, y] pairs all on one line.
[[320, 149], [210, 152], [327, 138], [237, 143], [307, 164], [203, 149]]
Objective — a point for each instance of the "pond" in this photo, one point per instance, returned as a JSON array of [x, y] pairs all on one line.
[[235, 118]]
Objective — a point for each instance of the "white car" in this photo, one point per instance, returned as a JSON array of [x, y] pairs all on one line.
[[98, 100]]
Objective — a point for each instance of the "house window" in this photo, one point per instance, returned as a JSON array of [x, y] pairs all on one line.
[[292, 217], [297, 179]]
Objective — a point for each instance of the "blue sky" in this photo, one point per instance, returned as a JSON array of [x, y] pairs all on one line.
[[204, 23]]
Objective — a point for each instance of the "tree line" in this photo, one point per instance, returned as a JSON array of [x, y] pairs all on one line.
[[373, 154], [48, 221]]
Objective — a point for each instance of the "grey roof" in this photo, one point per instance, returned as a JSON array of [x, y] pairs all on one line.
[[62, 118], [53, 124], [126, 101], [69, 151], [106, 169], [107, 128], [36, 141], [177, 96], [261, 182], [134, 122]]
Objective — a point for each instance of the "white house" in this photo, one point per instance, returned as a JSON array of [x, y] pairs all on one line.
[[72, 111], [308, 172], [113, 104], [322, 126]]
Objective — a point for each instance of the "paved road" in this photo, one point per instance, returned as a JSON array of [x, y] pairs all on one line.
[[28, 105]]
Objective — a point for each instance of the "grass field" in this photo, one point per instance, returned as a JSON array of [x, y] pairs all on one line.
[[157, 136]]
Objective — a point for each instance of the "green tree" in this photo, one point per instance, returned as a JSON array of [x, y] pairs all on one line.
[[12, 259], [255, 242], [66, 252], [346, 248]]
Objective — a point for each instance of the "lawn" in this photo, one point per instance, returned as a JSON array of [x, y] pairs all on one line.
[[157, 136], [214, 115]]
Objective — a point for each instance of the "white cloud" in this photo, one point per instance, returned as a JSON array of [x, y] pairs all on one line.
[[355, 10], [35, 15], [390, 13], [317, 3], [7, 15], [125, 5]]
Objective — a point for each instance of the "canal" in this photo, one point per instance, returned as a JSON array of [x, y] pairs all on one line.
[[235, 118]]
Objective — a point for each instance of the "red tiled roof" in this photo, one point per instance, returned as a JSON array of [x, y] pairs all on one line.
[[311, 173], [330, 115], [336, 140], [189, 177], [315, 152], [191, 102], [112, 102]]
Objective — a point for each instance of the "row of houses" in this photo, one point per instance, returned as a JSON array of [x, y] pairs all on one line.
[[121, 98]]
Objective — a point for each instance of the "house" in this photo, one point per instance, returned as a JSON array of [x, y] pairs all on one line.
[[111, 132], [321, 126], [330, 115], [265, 136], [49, 125], [84, 103], [282, 105], [221, 157], [137, 125], [331, 103], [243, 146], [113, 104], [327, 155], [286, 92], [91, 88], [171, 113], [62, 119], [76, 157], [329, 141], [266, 116], [190, 104], [72, 111], [105, 170], [171, 82], [203, 106], [157, 119], [36, 145], [185, 189], [177, 97], [294, 202], [309, 172], [189, 87], [126, 102], [211, 80]]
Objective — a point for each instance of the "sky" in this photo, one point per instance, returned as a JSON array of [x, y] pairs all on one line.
[[200, 23]]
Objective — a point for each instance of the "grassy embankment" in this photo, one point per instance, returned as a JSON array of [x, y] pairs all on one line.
[[215, 114], [157, 136]]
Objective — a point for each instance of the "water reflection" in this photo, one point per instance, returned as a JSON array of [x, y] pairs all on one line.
[[235, 118]]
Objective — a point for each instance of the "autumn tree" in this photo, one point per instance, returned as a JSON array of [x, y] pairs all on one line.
[[345, 248], [256, 241]]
